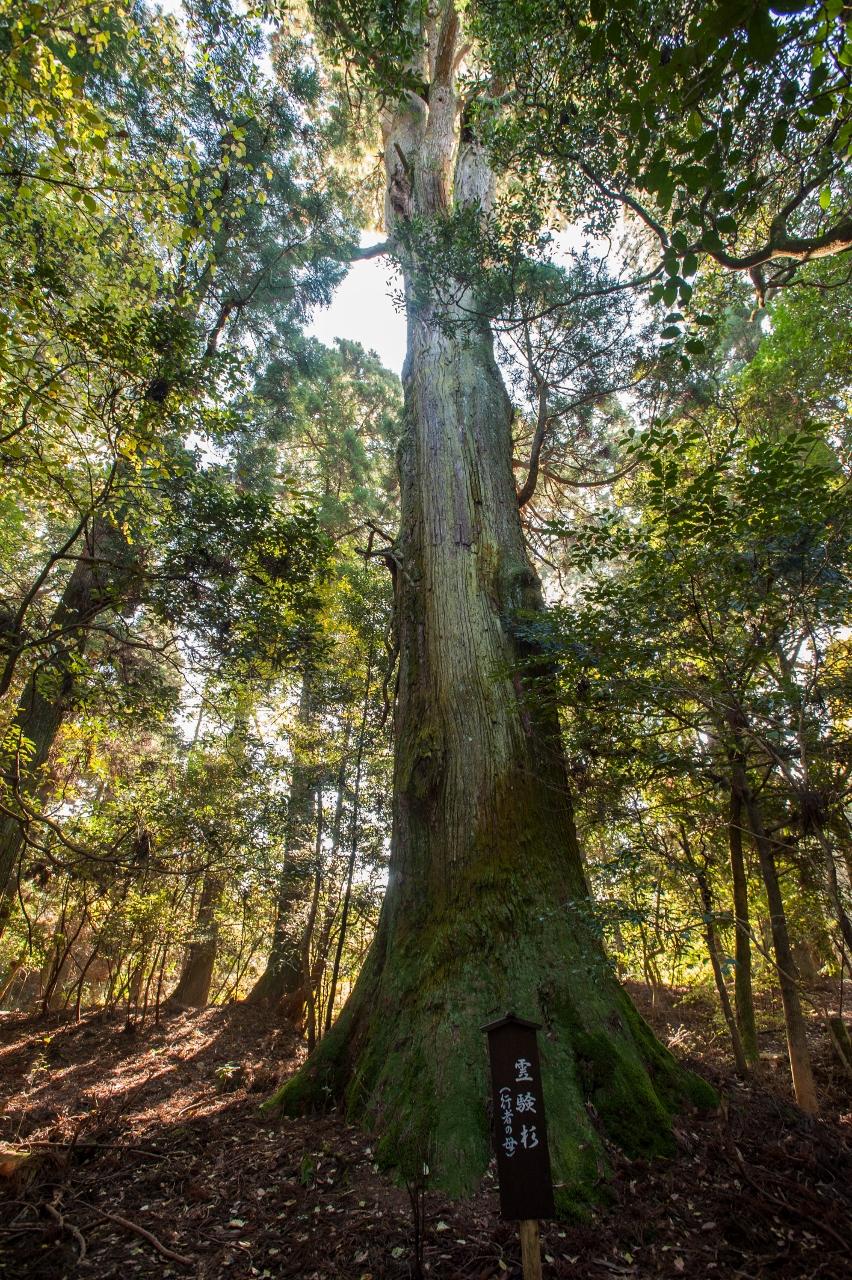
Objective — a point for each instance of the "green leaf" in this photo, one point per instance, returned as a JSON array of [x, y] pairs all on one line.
[[780, 130], [825, 198], [805, 123], [762, 36], [694, 125]]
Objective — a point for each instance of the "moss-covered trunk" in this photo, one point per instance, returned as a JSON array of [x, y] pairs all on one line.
[[486, 907]]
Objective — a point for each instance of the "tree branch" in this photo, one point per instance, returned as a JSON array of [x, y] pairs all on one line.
[[527, 489]]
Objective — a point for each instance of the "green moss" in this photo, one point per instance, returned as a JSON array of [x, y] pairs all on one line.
[[408, 1060], [318, 1084]]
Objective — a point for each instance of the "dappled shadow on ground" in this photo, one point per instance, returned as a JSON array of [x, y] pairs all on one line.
[[148, 1156]]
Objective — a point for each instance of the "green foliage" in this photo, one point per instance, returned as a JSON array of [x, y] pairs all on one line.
[[715, 597], [724, 128], [218, 765]]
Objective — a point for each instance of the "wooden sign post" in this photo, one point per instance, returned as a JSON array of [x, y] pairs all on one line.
[[520, 1135]]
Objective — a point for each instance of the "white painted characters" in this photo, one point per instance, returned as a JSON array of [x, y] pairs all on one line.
[[524, 1104], [510, 1143], [529, 1137]]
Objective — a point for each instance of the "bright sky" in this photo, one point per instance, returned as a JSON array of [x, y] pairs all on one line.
[[363, 310]]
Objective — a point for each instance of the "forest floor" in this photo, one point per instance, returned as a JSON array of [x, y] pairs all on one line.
[[141, 1152]]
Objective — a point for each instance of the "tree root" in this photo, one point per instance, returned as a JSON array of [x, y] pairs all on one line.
[[68, 1226]]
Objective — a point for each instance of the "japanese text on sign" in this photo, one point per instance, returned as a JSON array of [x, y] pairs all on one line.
[[518, 1103], [520, 1137]]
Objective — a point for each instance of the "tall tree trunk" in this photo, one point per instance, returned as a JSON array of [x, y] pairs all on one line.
[[283, 970], [743, 993], [486, 907], [193, 988], [801, 1070]]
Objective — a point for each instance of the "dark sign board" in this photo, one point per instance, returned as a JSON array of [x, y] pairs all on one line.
[[520, 1135]]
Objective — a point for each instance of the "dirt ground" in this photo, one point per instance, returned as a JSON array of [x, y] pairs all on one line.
[[142, 1152]]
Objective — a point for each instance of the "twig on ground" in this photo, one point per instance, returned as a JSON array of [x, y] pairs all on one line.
[[94, 1146], [819, 1224], [143, 1232]]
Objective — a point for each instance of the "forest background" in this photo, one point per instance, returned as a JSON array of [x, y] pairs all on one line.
[[200, 561]]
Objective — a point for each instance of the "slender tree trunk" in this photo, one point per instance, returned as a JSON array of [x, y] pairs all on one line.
[[486, 907], [283, 967], [718, 976], [709, 919], [81, 982], [295, 1001], [62, 952], [353, 849], [193, 988], [14, 969], [301, 997], [321, 949], [743, 993], [46, 698], [801, 1070], [835, 889]]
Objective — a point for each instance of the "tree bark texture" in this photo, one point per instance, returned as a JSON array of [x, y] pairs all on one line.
[[486, 907]]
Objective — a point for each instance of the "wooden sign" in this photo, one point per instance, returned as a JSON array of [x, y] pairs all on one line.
[[520, 1134]]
